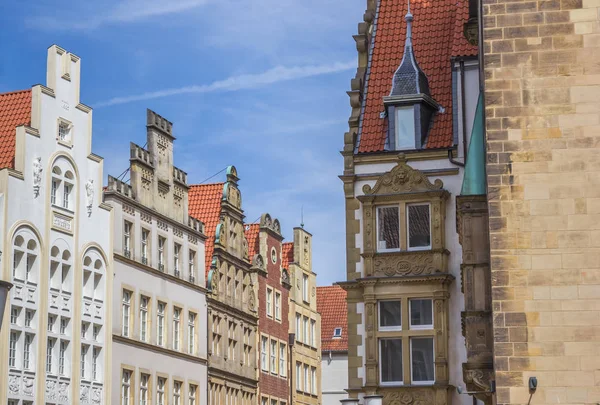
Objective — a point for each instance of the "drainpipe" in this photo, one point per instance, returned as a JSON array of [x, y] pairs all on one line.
[[291, 339], [463, 108]]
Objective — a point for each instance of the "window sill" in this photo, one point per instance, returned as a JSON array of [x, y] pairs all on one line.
[[63, 210], [66, 144]]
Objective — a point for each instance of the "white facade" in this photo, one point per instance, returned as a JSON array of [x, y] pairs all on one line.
[[56, 238], [334, 377], [159, 303]]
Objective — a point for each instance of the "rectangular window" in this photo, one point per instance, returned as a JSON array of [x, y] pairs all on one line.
[[144, 318], [96, 332], [263, 353], [64, 323], [176, 393], [305, 288], [273, 402], [51, 319], [144, 378], [421, 314], [176, 326], [306, 339], [14, 315], [388, 228], [95, 355], [306, 380], [269, 302], [145, 246], [192, 393], [191, 333], [313, 324], [49, 350], [127, 239], [28, 318], [313, 380], [53, 191], [63, 131], [390, 316], [419, 226], [176, 249], [126, 388], [390, 361], [61, 356], [160, 391], [298, 376], [12, 350], [282, 359], [405, 128], [84, 329], [192, 266], [84, 351], [160, 324], [126, 312], [278, 306], [264, 401], [66, 194], [273, 356], [422, 360], [161, 253], [27, 351], [298, 328]]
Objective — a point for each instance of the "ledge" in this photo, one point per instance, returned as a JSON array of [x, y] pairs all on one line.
[[158, 349]]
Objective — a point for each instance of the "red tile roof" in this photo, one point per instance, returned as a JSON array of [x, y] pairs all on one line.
[[205, 205], [435, 41], [251, 232], [15, 110], [331, 304], [287, 253]]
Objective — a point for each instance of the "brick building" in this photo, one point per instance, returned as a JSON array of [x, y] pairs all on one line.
[[265, 241]]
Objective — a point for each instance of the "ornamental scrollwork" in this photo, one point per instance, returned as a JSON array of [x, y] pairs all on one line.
[[412, 397], [414, 265], [402, 178]]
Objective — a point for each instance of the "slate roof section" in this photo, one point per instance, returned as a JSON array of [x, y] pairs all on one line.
[[251, 232], [331, 304], [287, 254], [436, 39], [15, 110], [205, 205]]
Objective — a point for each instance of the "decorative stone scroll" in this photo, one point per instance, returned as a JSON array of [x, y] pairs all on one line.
[[273, 224], [89, 194], [37, 175], [402, 179], [258, 262], [411, 264], [409, 397]]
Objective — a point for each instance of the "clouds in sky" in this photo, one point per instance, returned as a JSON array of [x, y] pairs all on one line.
[[260, 84]]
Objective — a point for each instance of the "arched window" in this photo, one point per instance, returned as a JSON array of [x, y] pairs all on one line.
[[61, 276], [62, 188], [25, 258]]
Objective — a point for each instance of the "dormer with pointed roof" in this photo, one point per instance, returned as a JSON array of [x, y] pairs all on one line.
[[409, 106]]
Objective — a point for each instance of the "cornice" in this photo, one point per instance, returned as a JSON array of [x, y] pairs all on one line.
[[240, 379], [158, 349], [47, 90], [220, 306], [15, 173], [392, 156], [181, 226], [84, 108], [95, 158], [376, 176], [437, 278], [31, 131], [106, 207], [159, 273]]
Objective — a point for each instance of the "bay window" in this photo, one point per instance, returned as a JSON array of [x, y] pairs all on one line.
[[388, 228], [422, 360], [390, 361], [415, 226]]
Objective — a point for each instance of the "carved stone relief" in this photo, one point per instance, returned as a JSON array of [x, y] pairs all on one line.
[[408, 397], [14, 383], [252, 301], [28, 386], [89, 196], [404, 265], [37, 175], [96, 395]]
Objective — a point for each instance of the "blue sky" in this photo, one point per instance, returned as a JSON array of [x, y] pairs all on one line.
[[260, 84]]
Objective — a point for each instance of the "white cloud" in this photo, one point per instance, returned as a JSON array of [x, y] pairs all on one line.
[[239, 82], [124, 12]]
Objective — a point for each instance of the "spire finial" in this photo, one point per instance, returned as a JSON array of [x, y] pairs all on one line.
[[302, 216], [409, 19]]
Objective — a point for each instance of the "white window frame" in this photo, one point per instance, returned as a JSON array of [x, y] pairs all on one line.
[[12, 350], [306, 337], [126, 312], [269, 302], [176, 328], [49, 355], [419, 327], [126, 387], [305, 288], [408, 228], [379, 249], [191, 332], [95, 355], [127, 238], [411, 112], [273, 350], [161, 252], [160, 323], [313, 380], [298, 376], [264, 353], [176, 392], [160, 390], [392, 383], [411, 360], [278, 305], [298, 327], [27, 357], [144, 244], [337, 335], [144, 379], [282, 359], [62, 349], [82, 370], [306, 380], [313, 329], [192, 264], [192, 392], [176, 251], [144, 303], [388, 328]]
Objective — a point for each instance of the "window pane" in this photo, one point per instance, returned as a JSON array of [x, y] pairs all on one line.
[[422, 359], [389, 314], [388, 228], [419, 232], [391, 360], [405, 128], [421, 313]]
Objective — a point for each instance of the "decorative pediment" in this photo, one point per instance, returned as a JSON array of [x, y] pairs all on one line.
[[232, 195], [258, 262], [402, 179], [285, 277], [220, 235], [273, 224]]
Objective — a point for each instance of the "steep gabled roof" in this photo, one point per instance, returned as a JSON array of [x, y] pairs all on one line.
[[331, 304], [205, 204], [15, 110], [437, 37], [251, 232], [287, 254]]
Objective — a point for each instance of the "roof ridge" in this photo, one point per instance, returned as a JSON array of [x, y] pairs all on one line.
[[207, 184], [14, 92]]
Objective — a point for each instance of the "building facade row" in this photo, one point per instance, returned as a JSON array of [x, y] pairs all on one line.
[[147, 290]]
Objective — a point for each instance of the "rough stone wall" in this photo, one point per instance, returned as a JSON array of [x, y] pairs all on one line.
[[542, 78]]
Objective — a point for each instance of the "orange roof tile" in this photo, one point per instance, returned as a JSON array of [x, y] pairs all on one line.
[[251, 232], [331, 304], [434, 41], [287, 253], [15, 110], [205, 205]]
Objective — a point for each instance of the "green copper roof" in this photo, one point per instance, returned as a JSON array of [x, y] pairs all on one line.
[[474, 180]]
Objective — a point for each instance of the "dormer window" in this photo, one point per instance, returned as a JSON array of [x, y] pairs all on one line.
[[405, 128], [337, 333]]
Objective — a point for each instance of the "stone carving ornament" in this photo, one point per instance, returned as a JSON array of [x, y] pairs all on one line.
[[37, 175], [402, 178], [89, 193], [50, 387], [28, 386], [13, 384], [252, 301], [96, 395], [83, 393], [408, 398], [404, 265], [63, 389]]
